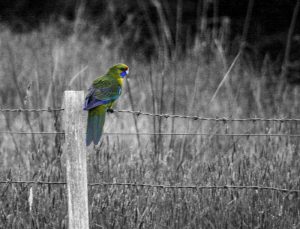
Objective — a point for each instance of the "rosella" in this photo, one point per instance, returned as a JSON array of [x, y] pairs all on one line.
[[105, 90]]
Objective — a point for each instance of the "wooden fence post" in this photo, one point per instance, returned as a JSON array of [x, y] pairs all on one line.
[[75, 151]]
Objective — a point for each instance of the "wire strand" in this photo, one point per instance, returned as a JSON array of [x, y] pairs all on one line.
[[160, 186], [49, 109], [255, 187], [21, 132], [170, 134], [166, 115], [34, 182], [222, 119], [209, 134]]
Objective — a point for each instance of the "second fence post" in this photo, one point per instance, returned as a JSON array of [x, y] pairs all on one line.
[[75, 151]]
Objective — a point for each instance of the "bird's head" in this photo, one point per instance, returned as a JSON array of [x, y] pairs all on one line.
[[120, 70]]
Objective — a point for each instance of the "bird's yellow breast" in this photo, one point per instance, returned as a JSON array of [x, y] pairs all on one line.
[[120, 81]]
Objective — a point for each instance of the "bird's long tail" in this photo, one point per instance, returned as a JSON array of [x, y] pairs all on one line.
[[95, 123]]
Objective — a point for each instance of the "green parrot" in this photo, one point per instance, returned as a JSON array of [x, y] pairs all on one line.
[[105, 90]]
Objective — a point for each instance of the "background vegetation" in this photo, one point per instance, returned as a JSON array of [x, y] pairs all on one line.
[[180, 76]]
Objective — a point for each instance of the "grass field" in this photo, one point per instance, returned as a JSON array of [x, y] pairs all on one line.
[[36, 68]]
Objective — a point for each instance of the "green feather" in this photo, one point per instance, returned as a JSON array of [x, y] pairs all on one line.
[[96, 118]]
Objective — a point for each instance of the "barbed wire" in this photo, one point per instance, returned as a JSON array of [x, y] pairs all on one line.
[[210, 134], [49, 109], [197, 187], [34, 182], [161, 186], [222, 119], [22, 132], [166, 115], [169, 134]]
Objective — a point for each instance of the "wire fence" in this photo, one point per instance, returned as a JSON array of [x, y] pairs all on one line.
[[200, 118], [165, 134], [161, 186], [138, 113], [37, 132], [49, 109], [166, 115]]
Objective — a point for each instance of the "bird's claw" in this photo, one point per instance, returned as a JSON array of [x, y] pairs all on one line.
[[109, 110]]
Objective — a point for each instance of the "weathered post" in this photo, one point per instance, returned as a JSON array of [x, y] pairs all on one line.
[[75, 151]]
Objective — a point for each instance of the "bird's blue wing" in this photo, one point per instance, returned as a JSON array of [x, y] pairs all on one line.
[[104, 93]]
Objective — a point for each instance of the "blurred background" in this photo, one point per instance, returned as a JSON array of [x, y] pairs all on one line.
[[143, 27], [208, 58]]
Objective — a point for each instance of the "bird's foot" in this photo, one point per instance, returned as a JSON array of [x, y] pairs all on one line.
[[109, 110]]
